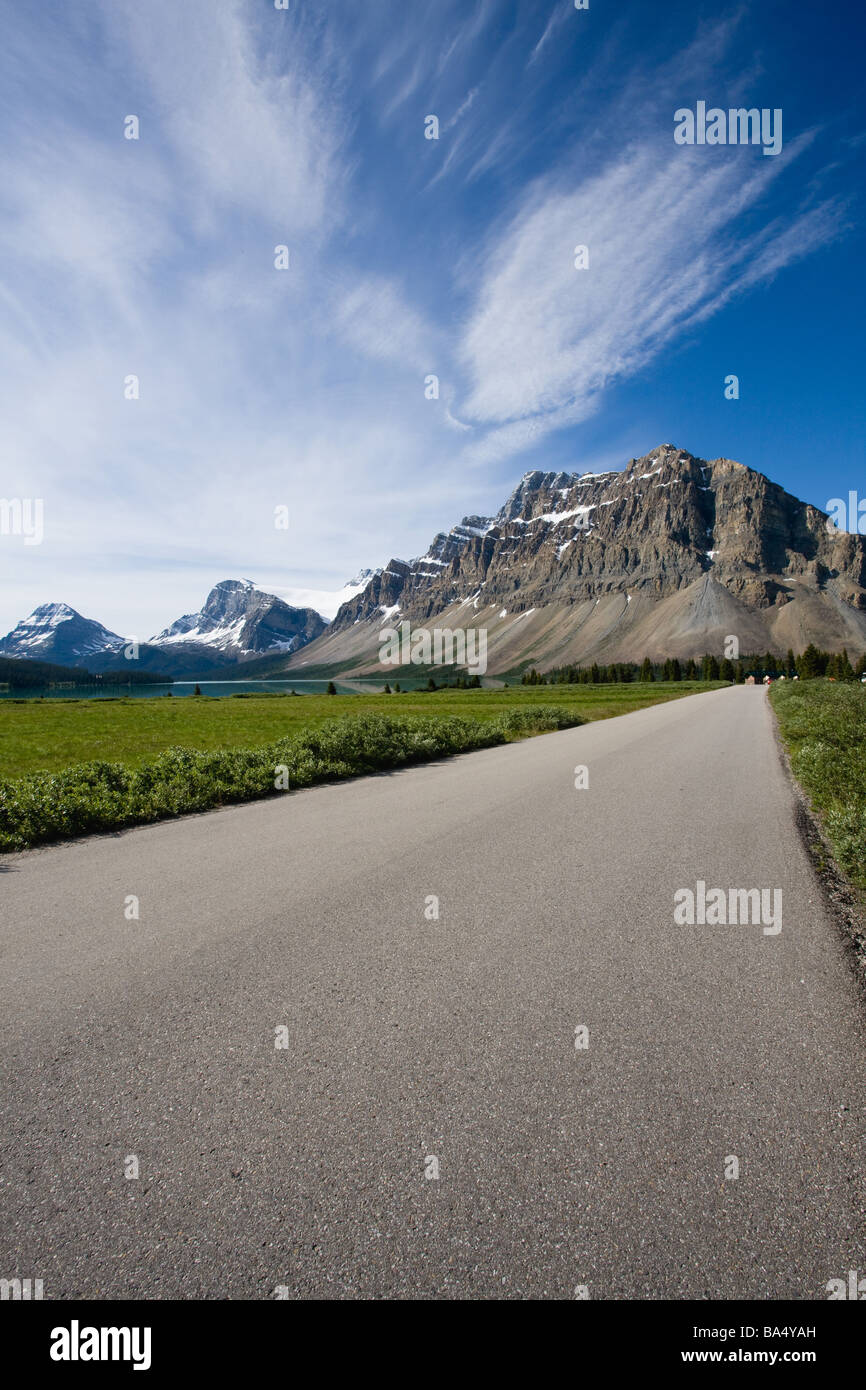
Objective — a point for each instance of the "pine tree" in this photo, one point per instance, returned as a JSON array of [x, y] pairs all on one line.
[[710, 668], [332, 689], [646, 670], [726, 670], [387, 690], [691, 670]]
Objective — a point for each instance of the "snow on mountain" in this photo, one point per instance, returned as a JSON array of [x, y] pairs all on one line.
[[240, 620], [56, 632], [327, 601], [677, 550]]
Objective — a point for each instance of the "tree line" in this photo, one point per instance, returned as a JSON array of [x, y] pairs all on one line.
[[810, 663], [21, 673]]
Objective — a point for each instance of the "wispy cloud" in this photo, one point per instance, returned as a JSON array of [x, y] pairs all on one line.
[[558, 18], [665, 241], [375, 318], [248, 132], [464, 106], [408, 258]]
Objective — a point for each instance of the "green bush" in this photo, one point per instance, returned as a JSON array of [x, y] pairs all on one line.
[[540, 719], [824, 727], [100, 796]]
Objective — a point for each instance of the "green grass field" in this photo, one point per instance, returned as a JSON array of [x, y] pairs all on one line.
[[50, 735], [823, 725]]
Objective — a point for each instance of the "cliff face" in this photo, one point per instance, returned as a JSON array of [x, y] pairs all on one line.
[[669, 557], [663, 523]]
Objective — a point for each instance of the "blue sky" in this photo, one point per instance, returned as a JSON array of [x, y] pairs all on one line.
[[304, 388]]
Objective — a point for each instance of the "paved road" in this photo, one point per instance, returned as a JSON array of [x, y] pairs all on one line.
[[303, 1167]]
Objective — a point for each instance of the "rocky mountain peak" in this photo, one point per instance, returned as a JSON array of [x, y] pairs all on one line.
[[240, 620], [56, 632], [665, 522]]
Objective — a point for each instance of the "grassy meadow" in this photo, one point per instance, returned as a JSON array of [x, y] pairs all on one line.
[[77, 767], [49, 735], [823, 725]]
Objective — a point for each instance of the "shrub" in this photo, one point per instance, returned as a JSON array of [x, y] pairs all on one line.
[[100, 796], [824, 727]]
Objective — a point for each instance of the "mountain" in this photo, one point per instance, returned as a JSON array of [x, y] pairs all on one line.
[[667, 557], [240, 621], [55, 632], [237, 623]]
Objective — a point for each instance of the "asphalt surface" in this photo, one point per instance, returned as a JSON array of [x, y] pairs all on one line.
[[305, 1168]]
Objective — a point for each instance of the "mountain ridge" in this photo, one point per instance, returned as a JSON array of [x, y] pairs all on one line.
[[238, 622], [667, 556], [675, 544]]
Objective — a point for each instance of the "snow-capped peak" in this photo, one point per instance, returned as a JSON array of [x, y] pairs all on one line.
[[56, 632]]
